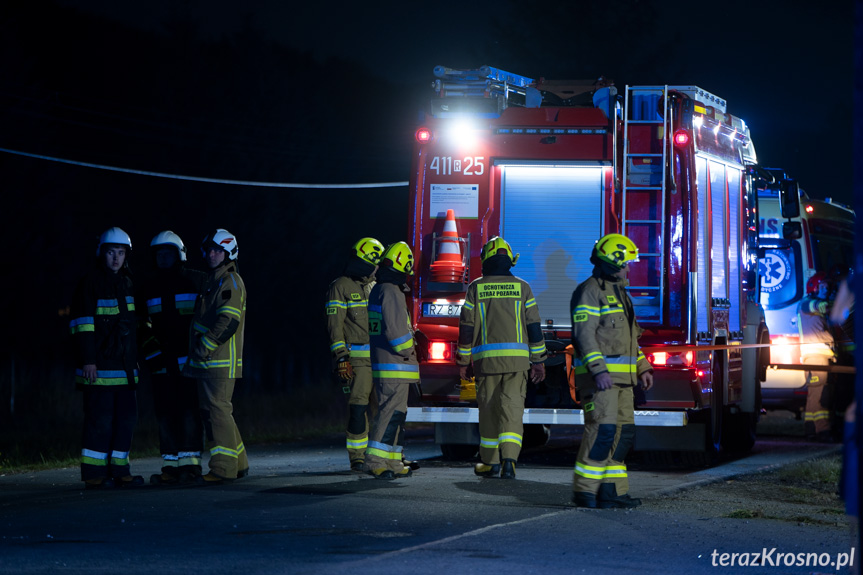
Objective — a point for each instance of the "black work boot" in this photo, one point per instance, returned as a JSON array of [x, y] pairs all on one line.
[[584, 499], [508, 469], [607, 498], [486, 469]]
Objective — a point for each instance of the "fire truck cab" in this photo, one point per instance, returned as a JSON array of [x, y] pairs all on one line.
[[553, 166]]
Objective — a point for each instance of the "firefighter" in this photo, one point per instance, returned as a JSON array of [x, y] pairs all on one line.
[[816, 348], [170, 296], [608, 365], [103, 328], [394, 362], [216, 356], [500, 333], [348, 329]]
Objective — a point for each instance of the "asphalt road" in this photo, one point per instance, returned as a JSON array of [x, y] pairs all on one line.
[[300, 511]]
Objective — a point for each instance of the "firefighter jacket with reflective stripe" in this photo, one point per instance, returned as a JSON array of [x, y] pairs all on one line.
[[348, 319], [169, 297], [605, 333], [499, 328], [216, 341], [103, 327], [394, 358], [815, 335]]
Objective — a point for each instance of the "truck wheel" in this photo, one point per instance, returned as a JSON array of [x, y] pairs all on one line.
[[459, 451]]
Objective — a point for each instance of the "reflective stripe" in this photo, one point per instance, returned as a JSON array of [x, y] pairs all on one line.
[[510, 438], [464, 351], [213, 363], [220, 449], [384, 451], [538, 349], [81, 325], [200, 328], [154, 305], [598, 472], [152, 355], [360, 350], [107, 307], [337, 303], [358, 443], [490, 442], [530, 303], [208, 343], [501, 350], [401, 343], [588, 309], [338, 345], [228, 310], [816, 415], [518, 334], [130, 303], [358, 303], [395, 371], [375, 308], [468, 306], [106, 377]]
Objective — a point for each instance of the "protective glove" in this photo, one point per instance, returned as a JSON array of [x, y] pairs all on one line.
[[537, 372], [345, 370], [603, 381]]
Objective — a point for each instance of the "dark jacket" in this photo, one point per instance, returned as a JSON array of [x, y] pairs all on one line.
[[103, 328], [169, 300]]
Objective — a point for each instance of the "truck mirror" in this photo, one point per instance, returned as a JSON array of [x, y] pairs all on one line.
[[789, 198], [792, 230]]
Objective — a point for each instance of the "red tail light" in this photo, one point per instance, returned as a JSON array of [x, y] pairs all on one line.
[[673, 359], [440, 351]]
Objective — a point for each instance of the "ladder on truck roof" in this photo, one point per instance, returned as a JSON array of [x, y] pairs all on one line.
[[645, 160]]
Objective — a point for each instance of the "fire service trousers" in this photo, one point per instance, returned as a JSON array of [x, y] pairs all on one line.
[[359, 404], [609, 431], [816, 417], [500, 397], [227, 452], [385, 449], [110, 415], [175, 402]]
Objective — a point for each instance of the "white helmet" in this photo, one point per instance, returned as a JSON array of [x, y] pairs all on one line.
[[169, 238], [224, 239], [113, 236]]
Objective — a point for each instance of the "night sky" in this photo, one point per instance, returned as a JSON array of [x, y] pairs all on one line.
[[329, 93]]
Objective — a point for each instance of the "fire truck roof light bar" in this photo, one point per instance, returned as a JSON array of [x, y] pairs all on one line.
[[556, 131]]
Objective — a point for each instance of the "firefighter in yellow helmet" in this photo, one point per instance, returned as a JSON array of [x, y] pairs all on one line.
[[608, 364], [394, 362], [500, 334], [348, 330]]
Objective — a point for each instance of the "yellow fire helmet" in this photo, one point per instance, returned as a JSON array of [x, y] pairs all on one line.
[[495, 246], [399, 257], [369, 249], [616, 249]]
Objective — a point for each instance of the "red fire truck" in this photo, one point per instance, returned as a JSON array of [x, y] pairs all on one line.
[[553, 166]]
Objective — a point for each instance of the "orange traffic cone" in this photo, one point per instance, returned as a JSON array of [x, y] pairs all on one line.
[[448, 266]]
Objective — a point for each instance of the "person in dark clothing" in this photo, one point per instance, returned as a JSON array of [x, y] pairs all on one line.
[[103, 328], [170, 296]]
